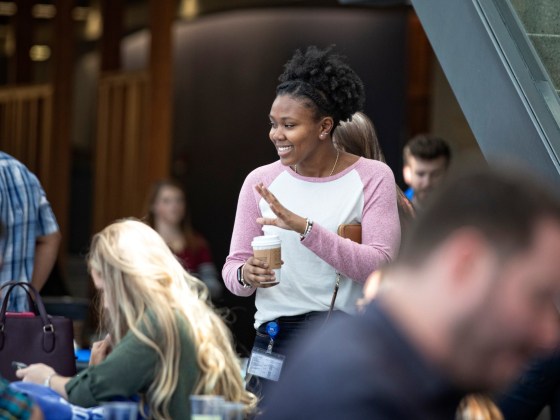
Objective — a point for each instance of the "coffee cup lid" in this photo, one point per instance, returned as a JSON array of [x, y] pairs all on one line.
[[266, 240]]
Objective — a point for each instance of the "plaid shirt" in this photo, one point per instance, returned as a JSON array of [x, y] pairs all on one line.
[[13, 405], [25, 214]]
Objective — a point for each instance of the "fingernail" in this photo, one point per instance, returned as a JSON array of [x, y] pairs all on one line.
[[265, 266]]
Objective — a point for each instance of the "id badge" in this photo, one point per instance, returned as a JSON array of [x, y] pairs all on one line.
[[265, 365]]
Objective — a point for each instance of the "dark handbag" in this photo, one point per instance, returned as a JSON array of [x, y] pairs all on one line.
[[35, 339]]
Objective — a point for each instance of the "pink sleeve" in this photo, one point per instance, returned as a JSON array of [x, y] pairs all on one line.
[[246, 227], [381, 230]]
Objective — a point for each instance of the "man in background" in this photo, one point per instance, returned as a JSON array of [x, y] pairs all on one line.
[[426, 160], [29, 246], [472, 298]]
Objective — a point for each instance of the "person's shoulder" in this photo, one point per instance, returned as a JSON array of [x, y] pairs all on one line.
[[373, 168], [10, 162], [265, 173], [12, 165], [350, 351]]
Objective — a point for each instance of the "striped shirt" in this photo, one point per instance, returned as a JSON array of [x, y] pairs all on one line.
[[25, 214], [13, 405]]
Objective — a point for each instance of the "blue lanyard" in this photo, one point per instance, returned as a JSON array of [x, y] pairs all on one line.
[[272, 330]]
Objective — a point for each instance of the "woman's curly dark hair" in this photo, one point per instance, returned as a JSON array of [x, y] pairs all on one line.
[[325, 81]]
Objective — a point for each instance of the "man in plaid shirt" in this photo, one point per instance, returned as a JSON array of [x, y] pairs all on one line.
[[31, 239]]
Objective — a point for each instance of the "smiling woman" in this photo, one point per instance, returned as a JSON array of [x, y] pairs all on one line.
[[303, 198]]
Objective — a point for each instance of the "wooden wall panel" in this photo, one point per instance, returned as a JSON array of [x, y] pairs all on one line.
[[25, 127], [420, 58], [120, 150]]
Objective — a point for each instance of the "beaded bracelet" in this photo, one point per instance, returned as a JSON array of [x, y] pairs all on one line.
[[308, 226]]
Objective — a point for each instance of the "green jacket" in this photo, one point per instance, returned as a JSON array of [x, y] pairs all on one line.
[[130, 369]]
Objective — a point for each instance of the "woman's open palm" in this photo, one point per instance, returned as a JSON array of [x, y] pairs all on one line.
[[285, 219]]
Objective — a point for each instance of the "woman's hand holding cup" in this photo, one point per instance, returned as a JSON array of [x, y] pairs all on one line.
[[254, 273]]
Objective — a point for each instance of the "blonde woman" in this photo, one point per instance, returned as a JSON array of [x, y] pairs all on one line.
[[166, 342]]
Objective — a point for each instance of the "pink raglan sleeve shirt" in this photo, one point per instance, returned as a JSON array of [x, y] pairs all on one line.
[[380, 227]]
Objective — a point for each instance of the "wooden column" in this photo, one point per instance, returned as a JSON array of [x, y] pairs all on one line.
[[63, 72], [23, 66], [112, 12], [161, 89]]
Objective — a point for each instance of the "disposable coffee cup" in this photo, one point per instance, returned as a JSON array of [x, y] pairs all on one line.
[[268, 249]]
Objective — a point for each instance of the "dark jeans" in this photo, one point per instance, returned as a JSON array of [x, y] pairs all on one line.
[[539, 387], [294, 331]]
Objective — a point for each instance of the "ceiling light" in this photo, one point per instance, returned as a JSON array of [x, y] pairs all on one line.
[[80, 13], [7, 8], [43, 11], [40, 53], [189, 9]]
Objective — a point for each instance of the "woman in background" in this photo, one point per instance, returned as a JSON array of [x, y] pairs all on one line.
[[165, 342], [168, 214], [358, 137]]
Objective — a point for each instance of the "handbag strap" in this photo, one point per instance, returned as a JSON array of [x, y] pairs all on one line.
[[335, 293], [341, 232], [48, 328], [30, 301]]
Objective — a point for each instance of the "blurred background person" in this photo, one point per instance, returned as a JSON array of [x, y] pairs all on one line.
[[426, 160], [358, 137], [472, 298], [321, 188], [165, 343], [168, 214], [30, 243]]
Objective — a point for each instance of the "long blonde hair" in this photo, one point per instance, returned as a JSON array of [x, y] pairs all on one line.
[[143, 276]]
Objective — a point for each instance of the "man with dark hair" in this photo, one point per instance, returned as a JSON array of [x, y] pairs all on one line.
[[14, 405], [472, 297], [426, 160]]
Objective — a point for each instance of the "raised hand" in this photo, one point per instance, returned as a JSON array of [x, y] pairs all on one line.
[[285, 219]]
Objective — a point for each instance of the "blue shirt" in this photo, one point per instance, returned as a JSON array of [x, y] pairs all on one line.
[[409, 194], [25, 214], [362, 368]]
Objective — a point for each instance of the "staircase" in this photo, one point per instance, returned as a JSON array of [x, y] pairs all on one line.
[[502, 60]]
